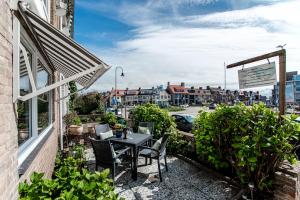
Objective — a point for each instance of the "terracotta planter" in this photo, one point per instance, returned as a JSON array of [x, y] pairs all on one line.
[[91, 130], [75, 130], [23, 134]]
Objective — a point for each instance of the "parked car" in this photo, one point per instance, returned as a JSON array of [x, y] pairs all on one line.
[[212, 106], [184, 122], [184, 105]]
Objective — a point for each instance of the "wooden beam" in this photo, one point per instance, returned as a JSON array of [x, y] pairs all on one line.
[[257, 58]]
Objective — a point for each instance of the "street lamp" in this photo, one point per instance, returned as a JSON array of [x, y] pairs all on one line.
[[122, 75]]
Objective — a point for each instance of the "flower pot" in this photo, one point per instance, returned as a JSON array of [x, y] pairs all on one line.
[[23, 134], [119, 133], [91, 130], [75, 130]]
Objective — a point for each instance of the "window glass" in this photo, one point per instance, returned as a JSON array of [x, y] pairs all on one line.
[[43, 79], [24, 107]]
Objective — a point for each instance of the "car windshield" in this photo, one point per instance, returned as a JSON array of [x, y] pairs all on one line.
[[189, 118]]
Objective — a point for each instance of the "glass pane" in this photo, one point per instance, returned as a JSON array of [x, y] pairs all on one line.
[[25, 86], [24, 108], [43, 79], [24, 121]]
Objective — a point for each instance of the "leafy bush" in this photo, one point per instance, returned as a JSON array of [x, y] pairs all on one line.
[[110, 118], [72, 119], [179, 145], [252, 141], [163, 122], [70, 181], [86, 103]]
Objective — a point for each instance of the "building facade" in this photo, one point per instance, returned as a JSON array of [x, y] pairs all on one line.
[[292, 90], [179, 94], [38, 58]]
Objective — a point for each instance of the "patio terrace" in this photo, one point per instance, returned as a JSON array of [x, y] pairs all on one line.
[[182, 181]]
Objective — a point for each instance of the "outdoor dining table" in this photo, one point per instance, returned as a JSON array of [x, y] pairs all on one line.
[[133, 140]]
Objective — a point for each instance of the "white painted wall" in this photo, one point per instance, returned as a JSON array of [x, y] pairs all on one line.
[[40, 7]]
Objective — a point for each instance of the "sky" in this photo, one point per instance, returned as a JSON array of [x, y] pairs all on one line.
[[156, 41]]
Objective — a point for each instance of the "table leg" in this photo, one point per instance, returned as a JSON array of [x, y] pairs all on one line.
[[135, 161], [150, 142]]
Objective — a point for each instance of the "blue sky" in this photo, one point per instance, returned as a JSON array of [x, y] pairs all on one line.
[[156, 41]]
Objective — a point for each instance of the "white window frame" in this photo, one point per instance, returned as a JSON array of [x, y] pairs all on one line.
[[19, 34]]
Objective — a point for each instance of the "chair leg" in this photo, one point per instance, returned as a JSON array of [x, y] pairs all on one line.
[[113, 172], [166, 163], [146, 161], [158, 164]]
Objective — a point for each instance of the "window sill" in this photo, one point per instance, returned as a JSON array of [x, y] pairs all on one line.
[[27, 155]]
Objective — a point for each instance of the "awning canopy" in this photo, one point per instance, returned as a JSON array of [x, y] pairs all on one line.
[[62, 53]]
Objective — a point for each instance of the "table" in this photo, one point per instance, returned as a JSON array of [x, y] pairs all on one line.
[[134, 140]]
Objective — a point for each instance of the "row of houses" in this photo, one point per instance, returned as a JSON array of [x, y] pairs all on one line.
[[180, 95]]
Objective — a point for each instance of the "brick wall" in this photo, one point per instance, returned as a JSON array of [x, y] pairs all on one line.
[[287, 182], [8, 133], [45, 159]]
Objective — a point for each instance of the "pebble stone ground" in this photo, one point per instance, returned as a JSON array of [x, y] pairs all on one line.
[[182, 181]]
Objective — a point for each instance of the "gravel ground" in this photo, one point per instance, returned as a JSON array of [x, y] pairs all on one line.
[[182, 181]]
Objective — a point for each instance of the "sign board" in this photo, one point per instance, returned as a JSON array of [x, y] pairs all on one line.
[[261, 75]]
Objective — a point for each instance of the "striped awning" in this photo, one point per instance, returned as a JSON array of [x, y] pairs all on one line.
[[63, 53]]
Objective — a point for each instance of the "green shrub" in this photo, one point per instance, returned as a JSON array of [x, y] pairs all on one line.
[[72, 118], [163, 122], [110, 118], [253, 141], [178, 145], [70, 181]]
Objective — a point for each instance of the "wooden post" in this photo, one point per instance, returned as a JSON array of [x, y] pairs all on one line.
[[282, 79]]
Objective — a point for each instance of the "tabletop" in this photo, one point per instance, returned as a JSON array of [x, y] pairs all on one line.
[[132, 139]]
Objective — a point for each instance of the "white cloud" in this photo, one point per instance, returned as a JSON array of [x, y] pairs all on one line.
[[195, 53]]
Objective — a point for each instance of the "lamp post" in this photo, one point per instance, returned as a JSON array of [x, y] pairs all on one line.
[[122, 75]]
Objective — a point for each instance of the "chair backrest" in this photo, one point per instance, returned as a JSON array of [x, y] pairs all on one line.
[[149, 125], [164, 142], [101, 128], [103, 151]]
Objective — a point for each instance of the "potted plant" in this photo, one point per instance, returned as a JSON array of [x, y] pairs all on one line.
[[73, 123], [119, 130]]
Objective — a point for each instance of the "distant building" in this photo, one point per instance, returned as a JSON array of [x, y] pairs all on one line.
[[163, 98], [179, 94], [292, 90]]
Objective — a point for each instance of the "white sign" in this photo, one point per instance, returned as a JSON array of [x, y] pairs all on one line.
[[261, 75]]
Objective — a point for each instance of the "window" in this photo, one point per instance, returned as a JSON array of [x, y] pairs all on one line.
[[33, 115], [43, 79], [24, 107]]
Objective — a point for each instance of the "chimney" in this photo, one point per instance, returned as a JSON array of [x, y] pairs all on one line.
[[182, 84]]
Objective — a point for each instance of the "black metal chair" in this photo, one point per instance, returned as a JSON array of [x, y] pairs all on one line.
[[157, 152], [105, 155]]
